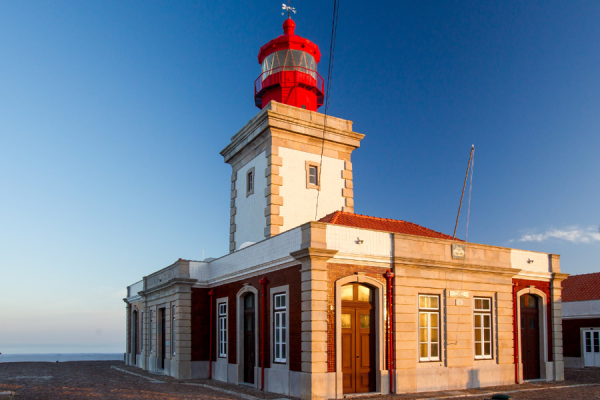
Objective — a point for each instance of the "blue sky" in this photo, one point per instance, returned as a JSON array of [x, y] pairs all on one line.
[[112, 116]]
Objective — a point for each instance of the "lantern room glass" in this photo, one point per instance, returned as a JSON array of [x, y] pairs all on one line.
[[290, 60]]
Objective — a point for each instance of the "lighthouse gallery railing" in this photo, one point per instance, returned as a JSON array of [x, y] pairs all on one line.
[[302, 76]]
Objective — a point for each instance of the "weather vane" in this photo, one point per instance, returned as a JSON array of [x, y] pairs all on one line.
[[288, 9]]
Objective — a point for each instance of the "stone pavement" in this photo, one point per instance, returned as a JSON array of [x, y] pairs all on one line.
[[115, 380]]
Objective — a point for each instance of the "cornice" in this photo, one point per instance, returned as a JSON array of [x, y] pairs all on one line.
[[270, 117], [170, 282], [314, 254], [470, 267]]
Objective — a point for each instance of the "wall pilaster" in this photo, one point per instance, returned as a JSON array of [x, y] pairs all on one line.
[[314, 256], [556, 321], [274, 221]]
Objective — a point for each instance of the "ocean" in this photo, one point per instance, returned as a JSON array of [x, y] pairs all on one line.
[[59, 352]]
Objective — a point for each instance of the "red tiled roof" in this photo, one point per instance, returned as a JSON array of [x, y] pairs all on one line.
[[381, 224], [581, 287]]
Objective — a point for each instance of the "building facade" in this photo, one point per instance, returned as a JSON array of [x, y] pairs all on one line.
[[581, 320], [316, 301]]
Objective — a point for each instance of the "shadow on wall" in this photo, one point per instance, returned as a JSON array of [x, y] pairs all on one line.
[[473, 379]]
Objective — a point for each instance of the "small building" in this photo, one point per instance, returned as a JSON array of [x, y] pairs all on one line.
[[581, 320], [316, 301]]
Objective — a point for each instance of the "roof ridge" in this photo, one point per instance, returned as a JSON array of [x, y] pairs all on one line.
[[589, 273]]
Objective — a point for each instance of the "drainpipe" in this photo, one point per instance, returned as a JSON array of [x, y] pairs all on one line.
[[515, 333], [263, 283], [210, 335], [388, 276]]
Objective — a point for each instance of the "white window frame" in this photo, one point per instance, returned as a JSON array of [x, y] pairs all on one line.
[[431, 313], [222, 329], [481, 313], [280, 344], [173, 330]]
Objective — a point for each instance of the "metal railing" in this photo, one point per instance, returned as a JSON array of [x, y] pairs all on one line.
[[300, 75]]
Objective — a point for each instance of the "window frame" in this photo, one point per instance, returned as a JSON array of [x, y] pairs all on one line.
[[317, 166], [430, 311], [250, 181], [480, 312], [222, 329], [280, 330]]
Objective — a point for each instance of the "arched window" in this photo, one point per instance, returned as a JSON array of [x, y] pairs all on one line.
[[528, 301]]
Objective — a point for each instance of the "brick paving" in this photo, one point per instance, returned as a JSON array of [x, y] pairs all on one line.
[[113, 380]]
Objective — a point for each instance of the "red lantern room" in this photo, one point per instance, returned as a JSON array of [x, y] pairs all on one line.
[[289, 71]]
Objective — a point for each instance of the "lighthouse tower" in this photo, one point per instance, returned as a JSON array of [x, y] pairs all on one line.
[[290, 164], [289, 71]]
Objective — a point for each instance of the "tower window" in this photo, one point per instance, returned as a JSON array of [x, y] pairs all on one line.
[[313, 175], [250, 182]]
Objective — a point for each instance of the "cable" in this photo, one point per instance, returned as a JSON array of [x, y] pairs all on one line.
[[466, 238], [336, 5]]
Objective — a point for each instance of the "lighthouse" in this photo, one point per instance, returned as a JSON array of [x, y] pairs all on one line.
[[289, 71]]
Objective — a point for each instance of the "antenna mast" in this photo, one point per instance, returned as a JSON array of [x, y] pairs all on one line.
[[463, 191]]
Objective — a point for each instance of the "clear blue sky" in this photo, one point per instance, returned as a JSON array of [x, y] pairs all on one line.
[[112, 116]]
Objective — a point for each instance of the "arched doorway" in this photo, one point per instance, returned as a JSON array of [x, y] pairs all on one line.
[[358, 338], [249, 339], [134, 338], [530, 336]]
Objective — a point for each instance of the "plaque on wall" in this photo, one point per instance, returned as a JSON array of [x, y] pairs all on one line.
[[458, 251]]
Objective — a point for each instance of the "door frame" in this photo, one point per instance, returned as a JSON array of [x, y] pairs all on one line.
[[378, 291], [134, 335], [542, 323], [240, 333]]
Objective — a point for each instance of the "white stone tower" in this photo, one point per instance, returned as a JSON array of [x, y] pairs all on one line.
[[283, 160]]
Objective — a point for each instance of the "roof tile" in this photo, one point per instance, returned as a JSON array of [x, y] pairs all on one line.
[[581, 287], [381, 224]]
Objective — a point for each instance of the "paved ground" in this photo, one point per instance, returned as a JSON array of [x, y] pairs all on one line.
[[114, 380]]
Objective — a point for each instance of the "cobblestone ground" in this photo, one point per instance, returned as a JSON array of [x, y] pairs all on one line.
[[93, 379], [114, 380]]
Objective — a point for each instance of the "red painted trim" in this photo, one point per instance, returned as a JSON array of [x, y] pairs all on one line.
[[289, 40], [211, 335], [388, 276], [263, 283], [515, 333]]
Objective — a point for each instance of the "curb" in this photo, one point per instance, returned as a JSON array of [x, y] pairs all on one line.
[[133, 373]]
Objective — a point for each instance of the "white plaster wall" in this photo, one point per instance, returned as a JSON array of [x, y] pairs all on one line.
[[344, 238], [199, 270], [272, 251], [539, 267], [581, 309], [299, 203], [250, 221]]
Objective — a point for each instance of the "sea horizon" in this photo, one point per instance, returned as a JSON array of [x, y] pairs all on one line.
[[54, 348]]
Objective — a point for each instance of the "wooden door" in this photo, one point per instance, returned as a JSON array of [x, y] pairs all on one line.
[[358, 339], [249, 339], [134, 339], [530, 337]]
